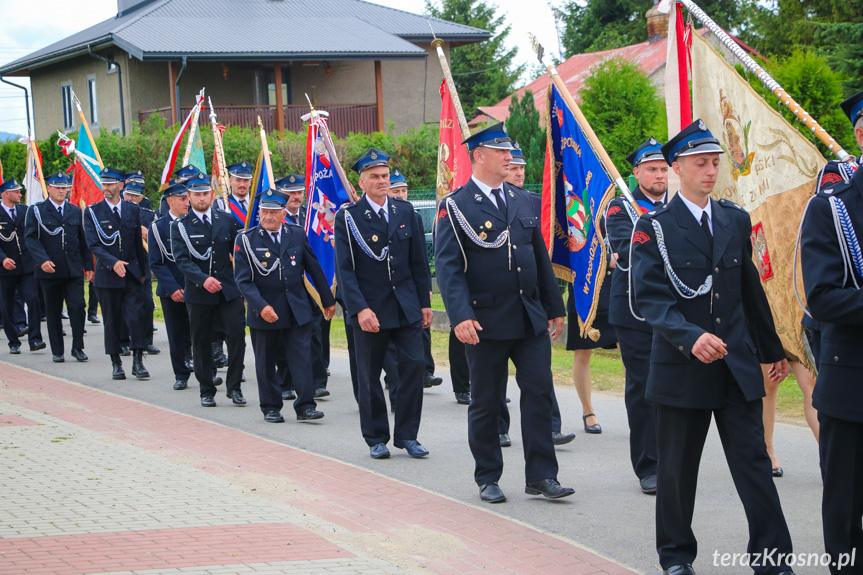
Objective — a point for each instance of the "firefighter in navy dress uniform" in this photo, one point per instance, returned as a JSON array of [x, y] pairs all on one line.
[[16, 270], [382, 271], [55, 237], [502, 299], [271, 261], [696, 285], [202, 242], [170, 282], [833, 275], [633, 333]]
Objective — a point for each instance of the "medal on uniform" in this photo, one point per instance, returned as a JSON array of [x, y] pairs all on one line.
[[266, 254], [483, 236], [293, 263], [264, 264], [488, 225], [374, 238]]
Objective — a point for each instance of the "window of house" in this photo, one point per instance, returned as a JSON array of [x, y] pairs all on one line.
[[66, 98], [287, 94], [94, 105]]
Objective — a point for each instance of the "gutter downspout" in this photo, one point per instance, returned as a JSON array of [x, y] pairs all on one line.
[[26, 103], [119, 85], [177, 90]]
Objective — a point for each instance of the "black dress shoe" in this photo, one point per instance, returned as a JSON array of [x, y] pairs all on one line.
[[429, 380], [125, 351], [189, 364], [15, 349], [118, 372], [79, 354], [58, 359], [289, 395], [778, 472], [328, 372], [560, 439], [309, 414], [37, 345], [595, 428], [648, 484], [94, 320], [181, 384], [412, 446], [507, 400], [505, 441], [152, 350], [138, 369], [273, 417], [379, 451], [63, 315], [217, 381], [548, 488], [208, 401], [684, 569], [491, 493], [462, 398], [237, 397], [321, 392], [22, 331]]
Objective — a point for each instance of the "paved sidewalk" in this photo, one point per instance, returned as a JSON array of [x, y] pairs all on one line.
[[97, 483]]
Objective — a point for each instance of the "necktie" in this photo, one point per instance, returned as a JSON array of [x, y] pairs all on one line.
[[116, 212], [498, 197], [243, 204], [60, 211], [382, 215], [275, 238], [14, 213], [207, 220], [705, 226]]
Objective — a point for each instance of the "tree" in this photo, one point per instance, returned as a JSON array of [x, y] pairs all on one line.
[[523, 126], [607, 24], [623, 107], [483, 73]]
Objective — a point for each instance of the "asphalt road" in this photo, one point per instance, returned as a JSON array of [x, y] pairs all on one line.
[[608, 513]]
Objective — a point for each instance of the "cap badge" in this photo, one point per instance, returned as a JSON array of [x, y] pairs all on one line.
[[653, 141], [373, 156], [292, 179], [701, 125]]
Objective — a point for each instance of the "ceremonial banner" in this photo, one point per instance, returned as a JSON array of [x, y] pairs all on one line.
[[33, 181], [196, 158], [175, 147], [452, 156], [261, 182], [325, 194], [578, 187], [769, 169], [86, 183]]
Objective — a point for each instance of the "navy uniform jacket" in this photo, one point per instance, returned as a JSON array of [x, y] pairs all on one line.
[[619, 232], [16, 247], [677, 378], [499, 295], [221, 238], [835, 301], [129, 247], [169, 278], [68, 250], [365, 282], [284, 288]]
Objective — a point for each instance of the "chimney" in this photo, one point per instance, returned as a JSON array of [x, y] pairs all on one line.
[[657, 24], [126, 6]]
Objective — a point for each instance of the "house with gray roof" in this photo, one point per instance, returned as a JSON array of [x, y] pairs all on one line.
[[366, 64]]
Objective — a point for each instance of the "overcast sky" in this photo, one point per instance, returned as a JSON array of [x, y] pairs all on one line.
[[33, 24]]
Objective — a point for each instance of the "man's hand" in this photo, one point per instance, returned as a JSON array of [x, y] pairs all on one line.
[[9, 264], [778, 371], [212, 285], [369, 321], [428, 316], [120, 268], [708, 348], [613, 261], [269, 315], [177, 296], [329, 312], [89, 275], [144, 232], [48, 267], [555, 327], [466, 331]]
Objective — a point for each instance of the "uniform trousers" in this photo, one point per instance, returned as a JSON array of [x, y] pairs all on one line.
[[92, 300], [681, 433], [28, 289], [318, 376], [56, 291], [352, 353], [635, 351], [145, 319], [841, 449], [489, 367], [121, 305], [271, 344], [201, 319], [391, 361], [458, 369], [179, 335], [325, 342], [371, 350]]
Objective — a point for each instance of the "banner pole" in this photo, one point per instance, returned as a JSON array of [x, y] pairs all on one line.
[[437, 44]]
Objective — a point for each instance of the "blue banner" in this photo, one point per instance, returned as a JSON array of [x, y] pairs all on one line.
[[580, 191], [260, 184]]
